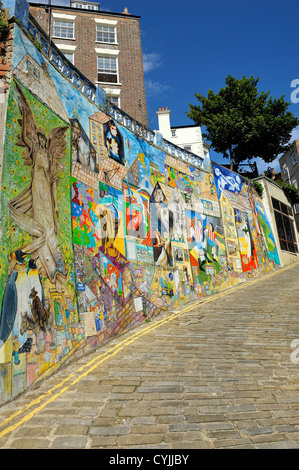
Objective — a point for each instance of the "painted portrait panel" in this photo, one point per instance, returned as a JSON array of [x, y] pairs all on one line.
[[36, 241]]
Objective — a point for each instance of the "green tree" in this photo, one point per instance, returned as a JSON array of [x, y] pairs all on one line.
[[243, 124]]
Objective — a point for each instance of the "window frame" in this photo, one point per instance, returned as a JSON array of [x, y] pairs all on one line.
[[67, 49], [66, 21], [84, 6], [294, 158], [106, 71], [284, 214], [108, 26], [69, 53], [113, 97]]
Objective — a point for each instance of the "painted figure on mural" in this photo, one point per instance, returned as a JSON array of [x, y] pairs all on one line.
[[249, 239], [157, 195], [15, 303], [162, 250], [39, 314], [228, 180], [34, 278], [112, 278], [16, 346], [176, 217], [163, 219], [212, 240], [35, 209], [197, 236], [114, 142], [82, 149], [244, 233]]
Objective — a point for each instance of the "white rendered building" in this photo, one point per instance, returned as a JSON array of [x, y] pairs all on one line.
[[187, 137]]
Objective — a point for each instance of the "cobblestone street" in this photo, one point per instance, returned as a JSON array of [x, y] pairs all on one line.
[[216, 374]]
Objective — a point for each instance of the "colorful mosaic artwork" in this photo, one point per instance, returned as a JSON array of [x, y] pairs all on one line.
[[101, 229]]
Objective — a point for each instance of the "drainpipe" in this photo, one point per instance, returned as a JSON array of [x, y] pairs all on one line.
[[49, 26]]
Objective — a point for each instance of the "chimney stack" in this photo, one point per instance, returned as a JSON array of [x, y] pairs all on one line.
[[164, 122]]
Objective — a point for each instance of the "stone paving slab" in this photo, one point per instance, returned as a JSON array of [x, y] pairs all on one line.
[[215, 375]]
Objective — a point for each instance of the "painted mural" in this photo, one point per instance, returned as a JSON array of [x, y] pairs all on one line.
[[102, 230], [249, 236]]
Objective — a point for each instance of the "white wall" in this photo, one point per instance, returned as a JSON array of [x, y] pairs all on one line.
[[183, 136], [189, 136]]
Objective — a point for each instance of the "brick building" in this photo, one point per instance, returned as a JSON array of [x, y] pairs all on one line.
[[104, 46]]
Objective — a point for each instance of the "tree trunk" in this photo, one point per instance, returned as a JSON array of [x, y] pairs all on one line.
[[231, 159]]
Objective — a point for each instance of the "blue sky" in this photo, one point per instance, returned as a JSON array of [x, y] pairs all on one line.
[[191, 47]]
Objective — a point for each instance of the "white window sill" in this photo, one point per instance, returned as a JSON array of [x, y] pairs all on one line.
[[66, 48], [101, 21], [63, 16], [107, 43], [64, 39], [108, 84], [107, 52]]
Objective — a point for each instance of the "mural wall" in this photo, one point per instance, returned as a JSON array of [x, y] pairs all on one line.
[[101, 230]]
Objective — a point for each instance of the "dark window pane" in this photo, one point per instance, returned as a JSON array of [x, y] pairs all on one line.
[[293, 230], [283, 245], [284, 208], [107, 77], [288, 229], [292, 247], [275, 204], [279, 225]]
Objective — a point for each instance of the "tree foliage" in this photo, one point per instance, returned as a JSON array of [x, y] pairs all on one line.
[[4, 29], [243, 124], [258, 187], [290, 191]]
